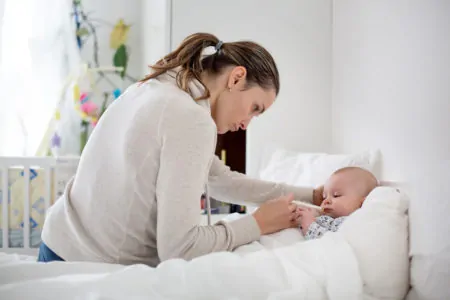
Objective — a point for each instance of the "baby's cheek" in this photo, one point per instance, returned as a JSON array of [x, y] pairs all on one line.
[[341, 210]]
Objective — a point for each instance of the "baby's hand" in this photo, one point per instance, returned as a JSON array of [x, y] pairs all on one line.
[[307, 216]]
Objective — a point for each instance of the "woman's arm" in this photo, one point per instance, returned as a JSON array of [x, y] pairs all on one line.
[[233, 187], [187, 146]]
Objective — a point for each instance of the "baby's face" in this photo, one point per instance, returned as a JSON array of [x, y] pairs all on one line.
[[341, 195]]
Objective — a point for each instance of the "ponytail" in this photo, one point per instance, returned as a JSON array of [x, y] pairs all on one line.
[[260, 66]]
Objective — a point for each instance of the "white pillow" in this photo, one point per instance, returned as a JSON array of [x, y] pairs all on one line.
[[313, 169], [378, 234]]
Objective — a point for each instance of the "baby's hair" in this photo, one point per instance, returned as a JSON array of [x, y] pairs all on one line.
[[371, 182]]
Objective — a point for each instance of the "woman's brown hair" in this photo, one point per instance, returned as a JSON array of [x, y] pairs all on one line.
[[260, 65]]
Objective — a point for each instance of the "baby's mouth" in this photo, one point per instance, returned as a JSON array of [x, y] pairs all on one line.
[[326, 209]]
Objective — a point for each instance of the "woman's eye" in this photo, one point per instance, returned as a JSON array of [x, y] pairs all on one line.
[[255, 108]]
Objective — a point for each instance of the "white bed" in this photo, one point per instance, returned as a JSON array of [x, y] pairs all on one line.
[[340, 265], [367, 259]]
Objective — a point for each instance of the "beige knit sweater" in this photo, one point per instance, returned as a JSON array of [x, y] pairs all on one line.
[[136, 195]]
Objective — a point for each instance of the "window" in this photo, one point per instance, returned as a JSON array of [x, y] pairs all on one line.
[[38, 52]]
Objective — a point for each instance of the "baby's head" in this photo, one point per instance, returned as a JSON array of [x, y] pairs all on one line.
[[345, 191]]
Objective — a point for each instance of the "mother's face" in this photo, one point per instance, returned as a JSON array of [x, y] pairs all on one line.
[[238, 104]]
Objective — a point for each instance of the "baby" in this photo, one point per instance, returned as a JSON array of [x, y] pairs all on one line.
[[343, 193]]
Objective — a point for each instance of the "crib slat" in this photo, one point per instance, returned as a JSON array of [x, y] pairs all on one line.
[[48, 187], [26, 208], [55, 183], [5, 196], [48, 164]]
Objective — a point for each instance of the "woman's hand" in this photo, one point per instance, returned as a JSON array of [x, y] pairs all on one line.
[[318, 195], [277, 214], [307, 216]]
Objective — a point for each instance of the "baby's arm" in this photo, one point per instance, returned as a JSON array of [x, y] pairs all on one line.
[[307, 217], [330, 223], [321, 225], [315, 231]]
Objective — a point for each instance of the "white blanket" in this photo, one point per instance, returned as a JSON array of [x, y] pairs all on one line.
[[279, 239], [272, 241], [366, 259], [319, 269]]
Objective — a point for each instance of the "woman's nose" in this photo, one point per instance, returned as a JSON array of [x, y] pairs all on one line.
[[244, 124]]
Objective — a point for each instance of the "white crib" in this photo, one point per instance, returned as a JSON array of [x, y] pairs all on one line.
[[30, 185]]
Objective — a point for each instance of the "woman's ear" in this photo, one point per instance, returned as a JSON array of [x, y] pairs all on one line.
[[237, 78]]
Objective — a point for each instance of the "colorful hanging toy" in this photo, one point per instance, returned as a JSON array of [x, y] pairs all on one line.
[[85, 108]]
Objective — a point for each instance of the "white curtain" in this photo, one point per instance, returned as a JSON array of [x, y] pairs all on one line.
[[38, 52]]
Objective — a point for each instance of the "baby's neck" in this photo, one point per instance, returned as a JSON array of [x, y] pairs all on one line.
[[332, 216]]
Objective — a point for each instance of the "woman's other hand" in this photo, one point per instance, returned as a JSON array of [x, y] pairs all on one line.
[[318, 195], [277, 214]]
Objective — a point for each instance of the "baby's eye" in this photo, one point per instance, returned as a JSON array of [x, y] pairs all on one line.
[[336, 195], [256, 108]]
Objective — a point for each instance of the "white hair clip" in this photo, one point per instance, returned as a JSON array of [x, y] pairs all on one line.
[[208, 51]]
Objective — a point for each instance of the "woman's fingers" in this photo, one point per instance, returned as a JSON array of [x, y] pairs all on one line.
[[289, 198], [295, 223], [295, 216], [292, 207]]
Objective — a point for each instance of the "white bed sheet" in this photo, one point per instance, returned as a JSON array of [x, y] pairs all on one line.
[[300, 271]]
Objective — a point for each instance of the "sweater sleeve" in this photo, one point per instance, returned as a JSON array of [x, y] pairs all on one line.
[[233, 187], [187, 146]]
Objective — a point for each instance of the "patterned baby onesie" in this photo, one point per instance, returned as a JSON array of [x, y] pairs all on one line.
[[322, 225]]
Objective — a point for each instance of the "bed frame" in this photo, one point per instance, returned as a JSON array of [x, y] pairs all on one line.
[[50, 167]]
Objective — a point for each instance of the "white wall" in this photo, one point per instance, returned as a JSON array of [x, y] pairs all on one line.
[[391, 81], [298, 34], [109, 12], [155, 34], [2, 10]]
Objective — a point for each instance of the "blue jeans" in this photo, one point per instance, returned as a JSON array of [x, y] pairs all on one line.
[[47, 255]]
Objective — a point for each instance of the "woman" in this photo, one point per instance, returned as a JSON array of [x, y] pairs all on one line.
[[136, 194]]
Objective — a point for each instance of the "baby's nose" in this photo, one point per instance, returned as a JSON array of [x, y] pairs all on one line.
[[327, 201]]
